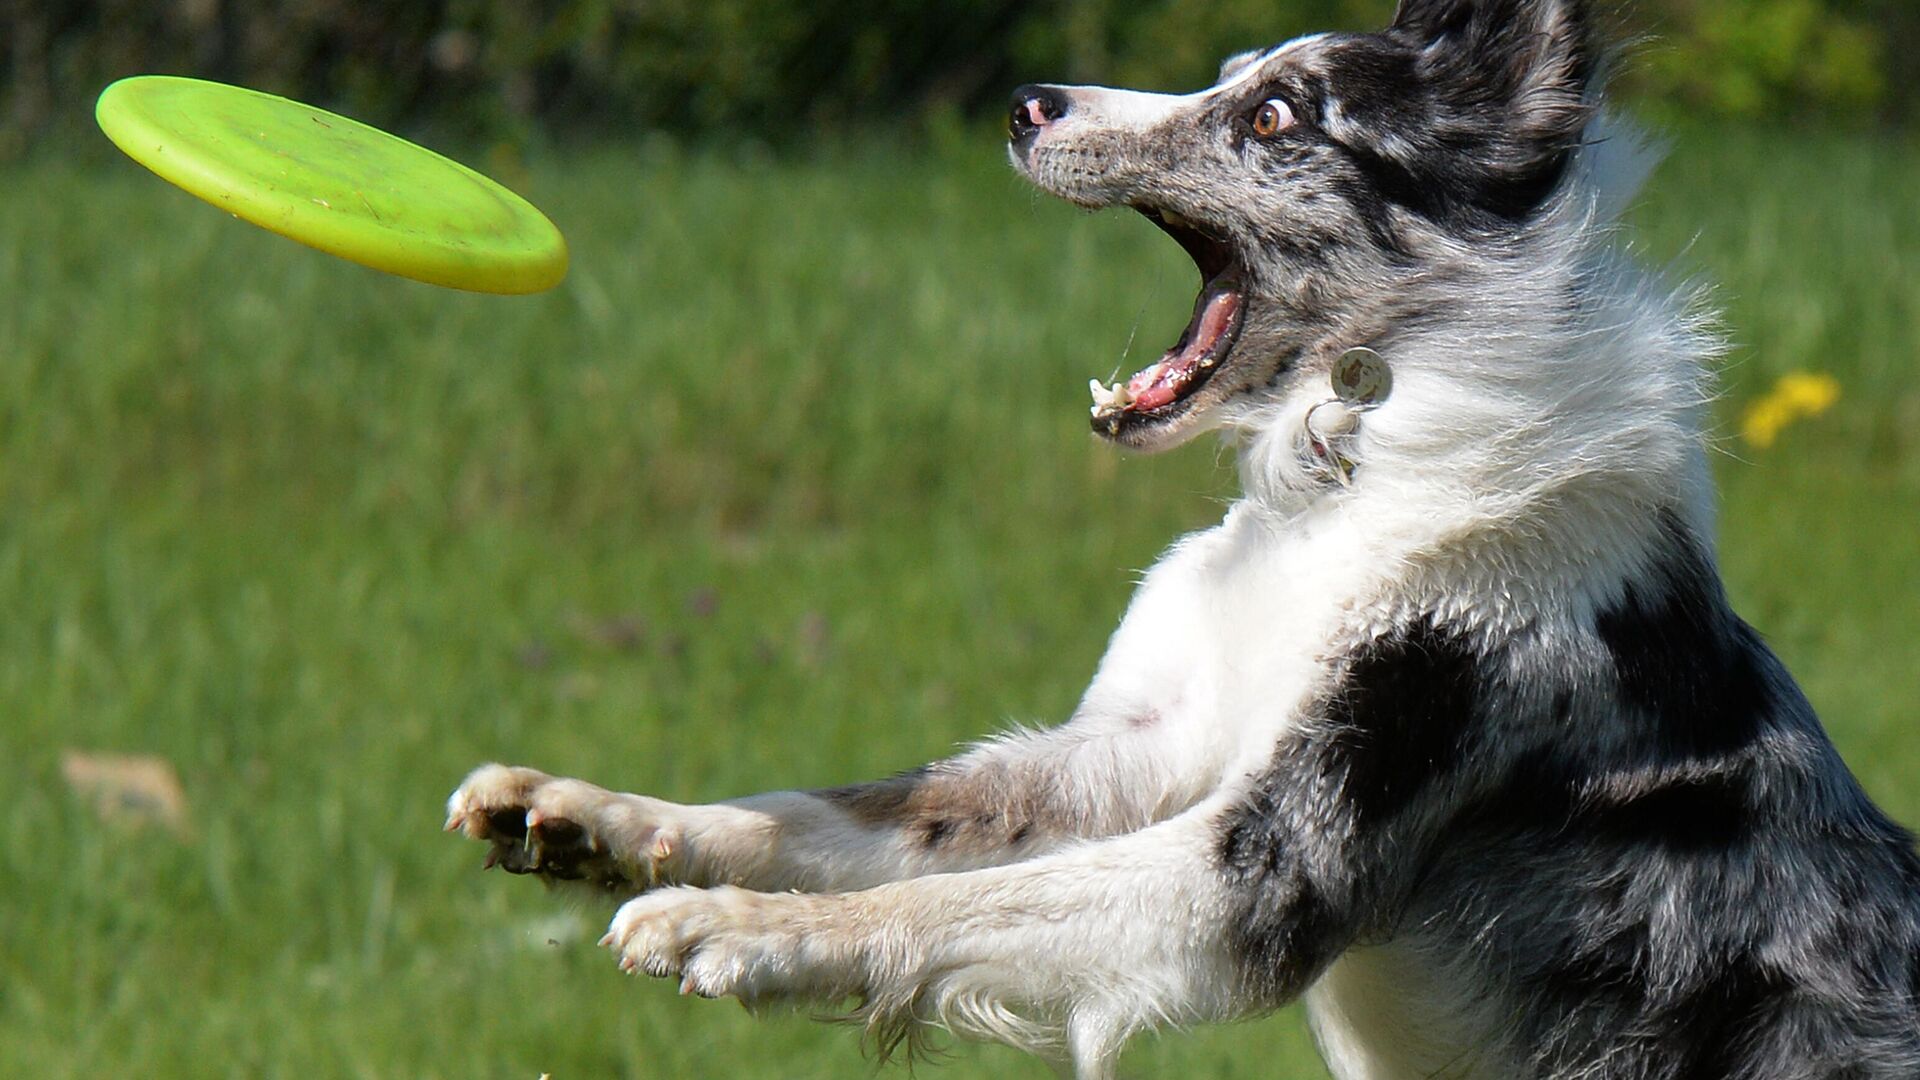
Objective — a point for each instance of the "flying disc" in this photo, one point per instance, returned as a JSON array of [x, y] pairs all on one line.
[[334, 184]]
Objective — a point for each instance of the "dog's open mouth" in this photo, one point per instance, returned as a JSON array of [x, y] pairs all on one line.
[[1164, 390]]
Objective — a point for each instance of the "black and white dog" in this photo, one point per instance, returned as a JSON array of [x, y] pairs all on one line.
[[1447, 726]]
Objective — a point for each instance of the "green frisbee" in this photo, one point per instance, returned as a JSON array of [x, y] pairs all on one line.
[[334, 184]]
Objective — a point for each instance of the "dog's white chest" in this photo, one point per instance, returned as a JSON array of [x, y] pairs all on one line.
[[1383, 1013], [1226, 636]]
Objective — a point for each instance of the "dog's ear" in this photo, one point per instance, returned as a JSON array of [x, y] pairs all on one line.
[[1497, 95], [1534, 57], [1433, 18]]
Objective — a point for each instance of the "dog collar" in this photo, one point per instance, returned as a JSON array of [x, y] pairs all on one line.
[[1361, 380]]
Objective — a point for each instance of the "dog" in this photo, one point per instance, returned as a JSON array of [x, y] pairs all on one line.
[[1447, 727]]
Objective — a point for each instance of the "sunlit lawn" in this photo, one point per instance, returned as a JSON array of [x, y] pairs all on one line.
[[788, 485]]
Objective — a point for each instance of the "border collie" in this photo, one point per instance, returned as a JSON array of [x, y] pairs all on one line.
[[1447, 726]]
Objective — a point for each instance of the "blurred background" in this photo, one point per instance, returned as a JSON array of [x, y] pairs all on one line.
[[787, 485], [532, 70]]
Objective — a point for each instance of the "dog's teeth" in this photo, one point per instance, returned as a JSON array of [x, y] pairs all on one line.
[[1109, 399], [1103, 402]]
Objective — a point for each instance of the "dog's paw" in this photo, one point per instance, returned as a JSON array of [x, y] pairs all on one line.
[[729, 941], [562, 830]]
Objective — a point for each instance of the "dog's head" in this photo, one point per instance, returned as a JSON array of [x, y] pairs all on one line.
[[1313, 181]]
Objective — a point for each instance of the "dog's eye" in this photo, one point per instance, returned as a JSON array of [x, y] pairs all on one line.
[[1272, 117]]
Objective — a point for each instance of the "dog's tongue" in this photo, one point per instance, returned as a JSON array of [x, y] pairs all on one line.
[[1162, 382]]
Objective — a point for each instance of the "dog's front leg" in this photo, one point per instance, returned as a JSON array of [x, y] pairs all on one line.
[[1074, 950], [1006, 800], [1143, 745]]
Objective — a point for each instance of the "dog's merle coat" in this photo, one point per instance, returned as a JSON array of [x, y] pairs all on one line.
[[1656, 860], [1463, 743]]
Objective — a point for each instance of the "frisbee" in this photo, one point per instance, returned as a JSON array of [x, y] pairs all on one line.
[[334, 184]]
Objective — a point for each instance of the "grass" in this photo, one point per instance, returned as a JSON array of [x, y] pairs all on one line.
[[787, 486]]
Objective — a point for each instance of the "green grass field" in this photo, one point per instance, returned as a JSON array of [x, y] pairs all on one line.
[[789, 485]]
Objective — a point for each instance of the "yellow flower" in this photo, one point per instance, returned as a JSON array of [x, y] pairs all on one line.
[[1798, 395]]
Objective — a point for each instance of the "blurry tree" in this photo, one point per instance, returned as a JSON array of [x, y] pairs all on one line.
[[1764, 59], [497, 68]]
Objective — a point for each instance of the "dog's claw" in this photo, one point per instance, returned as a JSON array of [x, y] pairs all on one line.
[[561, 830]]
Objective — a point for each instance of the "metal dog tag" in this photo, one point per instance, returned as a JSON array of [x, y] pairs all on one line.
[[1361, 378]]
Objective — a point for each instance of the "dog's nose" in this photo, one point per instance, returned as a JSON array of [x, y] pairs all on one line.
[[1034, 107]]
